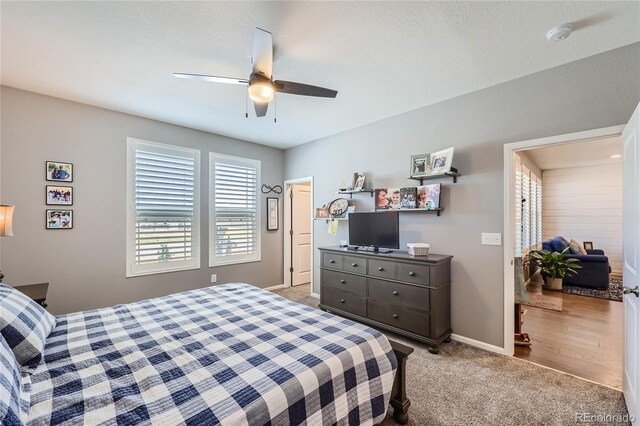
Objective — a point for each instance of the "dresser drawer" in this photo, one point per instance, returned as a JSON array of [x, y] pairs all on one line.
[[345, 301], [347, 282], [382, 268], [398, 316], [333, 261], [355, 264], [417, 274], [403, 294]]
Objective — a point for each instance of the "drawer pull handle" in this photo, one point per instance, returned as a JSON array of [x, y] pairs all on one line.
[[395, 293], [355, 265], [381, 269], [341, 300], [332, 261], [412, 274], [342, 281], [395, 315]]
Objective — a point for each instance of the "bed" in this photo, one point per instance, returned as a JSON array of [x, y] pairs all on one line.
[[228, 354]]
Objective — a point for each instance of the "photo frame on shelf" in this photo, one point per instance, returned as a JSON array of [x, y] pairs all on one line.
[[56, 171], [273, 219], [420, 165], [322, 213], [359, 184], [441, 161], [58, 195]]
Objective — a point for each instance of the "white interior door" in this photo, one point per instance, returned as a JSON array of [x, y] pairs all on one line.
[[301, 237], [631, 263]]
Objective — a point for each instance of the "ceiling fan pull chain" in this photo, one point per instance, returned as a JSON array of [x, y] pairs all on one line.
[[246, 104], [275, 108]]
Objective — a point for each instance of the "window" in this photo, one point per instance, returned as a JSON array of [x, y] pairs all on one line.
[[528, 209], [234, 215], [163, 203]]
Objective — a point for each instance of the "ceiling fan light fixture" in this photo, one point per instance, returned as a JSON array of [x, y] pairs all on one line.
[[261, 92]]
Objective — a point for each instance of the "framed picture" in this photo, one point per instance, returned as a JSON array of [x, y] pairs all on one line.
[[59, 219], [59, 172], [322, 213], [588, 245], [408, 197], [359, 185], [420, 165], [428, 197], [272, 214], [59, 195], [441, 161]]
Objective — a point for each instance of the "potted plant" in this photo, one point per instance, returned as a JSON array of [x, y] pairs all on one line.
[[554, 266]]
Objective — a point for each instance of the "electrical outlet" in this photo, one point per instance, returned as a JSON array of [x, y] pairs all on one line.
[[491, 239], [214, 278]]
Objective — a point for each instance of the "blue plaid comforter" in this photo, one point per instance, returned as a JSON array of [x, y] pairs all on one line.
[[231, 354]]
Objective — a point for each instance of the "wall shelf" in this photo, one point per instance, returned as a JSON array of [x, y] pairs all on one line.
[[327, 219], [351, 192], [452, 174], [438, 210]]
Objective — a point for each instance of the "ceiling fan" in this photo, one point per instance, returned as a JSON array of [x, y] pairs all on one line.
[[261, 86]]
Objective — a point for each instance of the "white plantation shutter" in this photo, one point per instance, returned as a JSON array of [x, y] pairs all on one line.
[[234, 224], [539, 212], [163, 208], [528, 209], [518, 206]]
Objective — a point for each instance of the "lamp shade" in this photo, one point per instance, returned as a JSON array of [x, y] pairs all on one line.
[[6, 220]]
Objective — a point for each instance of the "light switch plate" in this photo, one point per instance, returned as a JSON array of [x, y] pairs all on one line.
[[491, 239], [214, 278]]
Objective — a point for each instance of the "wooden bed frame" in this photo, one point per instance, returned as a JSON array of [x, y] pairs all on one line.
[[399, 400]]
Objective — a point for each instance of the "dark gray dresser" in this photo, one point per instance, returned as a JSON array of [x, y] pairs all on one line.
[[408, 295]]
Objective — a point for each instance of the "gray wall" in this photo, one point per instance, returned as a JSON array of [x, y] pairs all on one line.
[[85, 266], [596, 92]]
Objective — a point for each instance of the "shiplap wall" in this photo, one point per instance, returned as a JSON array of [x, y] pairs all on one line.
[[585, 203]]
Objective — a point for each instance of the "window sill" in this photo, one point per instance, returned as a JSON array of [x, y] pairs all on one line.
[[233, 262], [161, 271]]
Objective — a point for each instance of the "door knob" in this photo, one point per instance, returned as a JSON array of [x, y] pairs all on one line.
[[629, 290]]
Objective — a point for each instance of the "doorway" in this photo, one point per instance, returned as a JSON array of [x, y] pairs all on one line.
[[298, 232]]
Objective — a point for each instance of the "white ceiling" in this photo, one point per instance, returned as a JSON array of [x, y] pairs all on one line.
[[578, 154], [384, 58]]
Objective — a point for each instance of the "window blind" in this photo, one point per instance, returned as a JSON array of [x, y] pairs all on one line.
[[528, 209], [518, 206], [235, 223], [163, 208]]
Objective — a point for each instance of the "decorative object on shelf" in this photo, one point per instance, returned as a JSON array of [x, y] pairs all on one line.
[[60, 172], [429, 196], [338, 207], [333, 226], [59, 195], [6, 224], [441, 161], [343, 185], [272, 214], [277, 189], [382, 200], [554, 266], [408, 197], [588, 245], [420, 165], [59, 219], [322, 213], [359, 184], [418, 249]]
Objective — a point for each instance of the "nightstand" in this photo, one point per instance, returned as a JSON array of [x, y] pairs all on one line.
[[38, 292]]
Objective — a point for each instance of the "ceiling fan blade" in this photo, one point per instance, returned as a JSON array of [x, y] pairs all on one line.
[[292, 88], [261, 108], [211, 78], [262, 57]]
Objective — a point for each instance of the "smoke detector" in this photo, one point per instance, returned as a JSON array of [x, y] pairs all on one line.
[[559, 33]]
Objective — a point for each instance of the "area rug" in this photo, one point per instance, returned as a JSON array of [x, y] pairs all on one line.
[[547, 302], [614, 292]]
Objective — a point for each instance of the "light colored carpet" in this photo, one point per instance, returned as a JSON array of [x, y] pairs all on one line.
[[464, 385]]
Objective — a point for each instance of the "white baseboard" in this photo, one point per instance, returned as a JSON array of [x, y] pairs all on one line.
[[315, 295], [277, 287], [478, 344]]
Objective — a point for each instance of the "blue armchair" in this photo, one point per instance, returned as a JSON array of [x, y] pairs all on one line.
[[595, 265]]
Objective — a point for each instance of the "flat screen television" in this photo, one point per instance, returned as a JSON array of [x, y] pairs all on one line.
[[375, 229]]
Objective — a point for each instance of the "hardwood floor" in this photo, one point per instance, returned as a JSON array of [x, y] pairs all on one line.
[[585, 339]]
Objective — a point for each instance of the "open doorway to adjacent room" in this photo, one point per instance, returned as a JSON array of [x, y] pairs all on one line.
[[569, 195], [298, 233]]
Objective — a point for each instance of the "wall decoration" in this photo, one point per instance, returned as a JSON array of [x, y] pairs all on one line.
[[273, 219], [420, 165], [59, 219], [359, 184], [338, 207], [441, 161], [428, 196], [322, 213], [59, 195], [59, 172], [408, 197], [388, 198]]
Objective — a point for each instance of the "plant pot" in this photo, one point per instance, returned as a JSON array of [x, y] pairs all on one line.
[[554, 283]]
